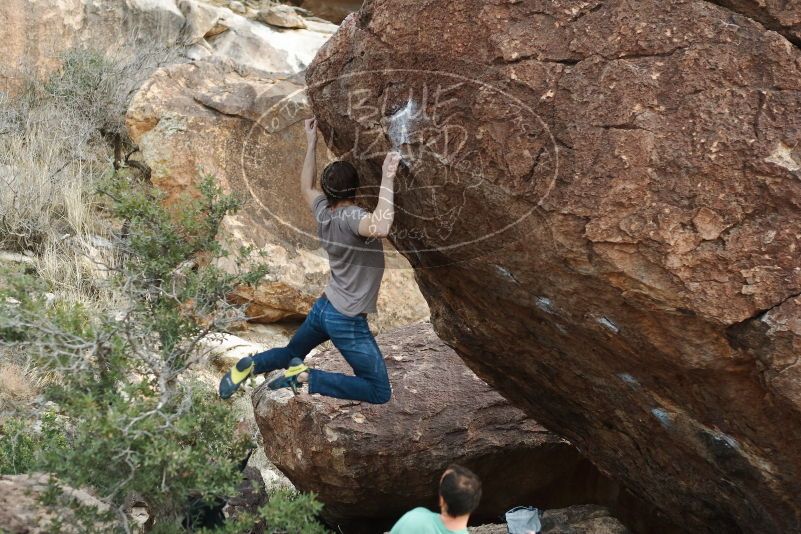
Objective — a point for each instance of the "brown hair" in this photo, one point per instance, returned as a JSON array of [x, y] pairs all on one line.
[[460, 488], [339, 181]]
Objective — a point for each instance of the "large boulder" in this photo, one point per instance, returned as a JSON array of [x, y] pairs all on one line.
[[375, 462], [601, 200], [245, 128]]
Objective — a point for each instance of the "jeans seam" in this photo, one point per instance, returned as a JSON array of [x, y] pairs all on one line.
[[311, 375]]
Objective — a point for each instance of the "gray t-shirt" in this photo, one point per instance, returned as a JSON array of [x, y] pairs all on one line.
[[357, 262]]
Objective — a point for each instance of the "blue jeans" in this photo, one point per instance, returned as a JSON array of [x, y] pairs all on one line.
[[354, 340]]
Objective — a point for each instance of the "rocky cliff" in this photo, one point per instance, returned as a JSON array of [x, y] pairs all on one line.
[[601, 200]]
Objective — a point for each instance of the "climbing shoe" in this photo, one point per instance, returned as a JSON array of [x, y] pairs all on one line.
[[235, 377], [289, 379]]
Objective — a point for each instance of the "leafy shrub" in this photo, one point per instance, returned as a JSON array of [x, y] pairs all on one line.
[[113, 355], [289, 511], [130, 417], [17, 447], [22, 447]]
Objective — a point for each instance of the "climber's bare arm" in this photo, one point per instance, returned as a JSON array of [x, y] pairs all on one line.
[[310, 163], [378, 223]]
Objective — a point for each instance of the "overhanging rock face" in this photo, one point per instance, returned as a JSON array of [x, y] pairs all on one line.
[[603, 204]]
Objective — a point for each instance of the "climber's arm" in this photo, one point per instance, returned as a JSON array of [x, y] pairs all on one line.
[[310, 163], [378, 223]]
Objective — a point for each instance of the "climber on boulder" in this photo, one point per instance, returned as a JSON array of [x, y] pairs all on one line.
[[352, 238]]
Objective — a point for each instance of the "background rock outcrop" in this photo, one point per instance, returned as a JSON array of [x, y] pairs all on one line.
[[23, 512], [371, 463], [601, 201], [34, 35], [333, 10], [212, 31], [245, 128]]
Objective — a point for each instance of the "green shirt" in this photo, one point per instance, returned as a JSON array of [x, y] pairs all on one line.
[[422, 521]]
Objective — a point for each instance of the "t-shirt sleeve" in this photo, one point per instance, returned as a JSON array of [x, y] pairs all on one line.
[[400, 526], [319, 204], [417, 521], [354, 218]]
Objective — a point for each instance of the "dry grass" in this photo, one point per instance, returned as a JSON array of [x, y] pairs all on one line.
[[49, 162], [18, 387], [78, 268], [57, 141]]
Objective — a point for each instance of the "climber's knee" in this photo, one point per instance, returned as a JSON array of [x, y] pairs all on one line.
[[381, 395]]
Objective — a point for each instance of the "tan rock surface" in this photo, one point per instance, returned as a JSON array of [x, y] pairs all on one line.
[[21, 511], [617, 227], [281, 16], [34, 34], [333, 10], [271, 302]]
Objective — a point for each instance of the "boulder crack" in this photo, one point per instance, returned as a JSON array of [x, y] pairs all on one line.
[[215, 109], [762, 18], [760, 314]]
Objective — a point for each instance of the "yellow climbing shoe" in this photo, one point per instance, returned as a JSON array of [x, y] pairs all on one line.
[[289, 379], [234, 378]]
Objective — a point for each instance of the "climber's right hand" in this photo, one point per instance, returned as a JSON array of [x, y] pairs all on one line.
[[391, 162], [310, 126]]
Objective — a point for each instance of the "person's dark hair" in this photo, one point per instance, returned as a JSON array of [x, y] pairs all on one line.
[[460, 488], [339, 181]]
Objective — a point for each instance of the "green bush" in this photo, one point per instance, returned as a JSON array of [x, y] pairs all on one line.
[[288, 511], [17, 447], [129, 419]]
